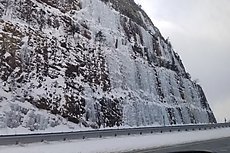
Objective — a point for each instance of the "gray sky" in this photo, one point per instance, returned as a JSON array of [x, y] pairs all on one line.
[[199, 31]]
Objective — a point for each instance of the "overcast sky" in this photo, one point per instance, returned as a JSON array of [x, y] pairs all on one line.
[[199, 31]]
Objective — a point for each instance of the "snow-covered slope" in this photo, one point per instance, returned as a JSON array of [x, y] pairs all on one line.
[[97, 63]]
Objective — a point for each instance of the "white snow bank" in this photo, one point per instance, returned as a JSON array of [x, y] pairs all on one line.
[[119, 144]]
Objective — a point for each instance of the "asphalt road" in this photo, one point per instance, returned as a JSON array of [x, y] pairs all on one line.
[[216, 146]]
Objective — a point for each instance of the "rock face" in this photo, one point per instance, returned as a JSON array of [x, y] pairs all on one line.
[[99, 63]]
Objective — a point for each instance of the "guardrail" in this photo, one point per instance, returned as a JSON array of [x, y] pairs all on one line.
[[63, 136]]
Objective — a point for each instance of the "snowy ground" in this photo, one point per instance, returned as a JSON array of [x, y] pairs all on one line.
[[119, 144]]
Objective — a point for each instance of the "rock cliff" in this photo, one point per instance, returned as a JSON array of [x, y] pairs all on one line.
[[98, 63]]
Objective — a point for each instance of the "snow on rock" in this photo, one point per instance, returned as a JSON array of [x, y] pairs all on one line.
[[96, 63]]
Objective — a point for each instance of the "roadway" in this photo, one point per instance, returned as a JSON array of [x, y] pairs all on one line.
[[216, 146]]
